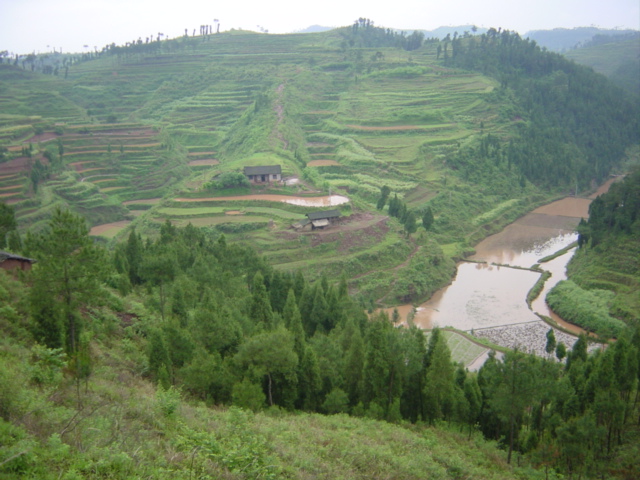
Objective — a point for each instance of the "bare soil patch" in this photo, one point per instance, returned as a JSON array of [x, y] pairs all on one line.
[[109, 229], [199, 154], [83, 152], [148, 201], [233, 212], [20, 164], [352, 232], [203, 162], [322, 163], [43, 137], [379, 129], [125, 132]]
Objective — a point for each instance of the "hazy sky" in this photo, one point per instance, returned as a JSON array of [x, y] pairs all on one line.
[[41, 25]]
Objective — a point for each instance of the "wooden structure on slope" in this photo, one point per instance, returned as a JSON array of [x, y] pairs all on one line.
[[9, 261], [322, 219]]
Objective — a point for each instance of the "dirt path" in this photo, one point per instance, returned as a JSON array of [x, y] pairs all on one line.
[[279, 109]]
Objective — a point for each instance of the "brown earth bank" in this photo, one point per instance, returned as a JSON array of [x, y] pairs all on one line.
[[42, 137], [100, 229], [197, 154], [139, 132], [147, 201], [20, 164], [204, 162], [390, 128], [322, 163], [350, 232]]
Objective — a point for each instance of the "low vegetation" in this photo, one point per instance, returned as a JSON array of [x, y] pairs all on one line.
[[191, 356], [201, 344]]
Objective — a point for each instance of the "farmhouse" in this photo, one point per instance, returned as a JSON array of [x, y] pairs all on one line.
[[264, 174], [322, 219], [9, 261]]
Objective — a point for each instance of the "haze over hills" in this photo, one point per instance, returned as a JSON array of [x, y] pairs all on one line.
[[563, 39], [617, 57]]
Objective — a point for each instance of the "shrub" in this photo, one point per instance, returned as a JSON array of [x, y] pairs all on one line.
[[587, 308], [167, 400]]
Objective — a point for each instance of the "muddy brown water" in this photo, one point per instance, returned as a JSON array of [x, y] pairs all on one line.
[[324, 201], [492, 293]]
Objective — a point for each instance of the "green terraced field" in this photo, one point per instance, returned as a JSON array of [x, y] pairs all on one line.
[[128, 125]]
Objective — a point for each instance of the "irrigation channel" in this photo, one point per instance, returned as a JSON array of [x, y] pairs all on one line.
[[488, 295], [324, 201]]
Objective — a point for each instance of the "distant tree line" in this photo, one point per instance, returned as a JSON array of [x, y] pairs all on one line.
[[364, 34]]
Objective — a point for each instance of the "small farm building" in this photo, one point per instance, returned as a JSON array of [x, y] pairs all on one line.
[[322, 219], [265, 174], [9, 261]]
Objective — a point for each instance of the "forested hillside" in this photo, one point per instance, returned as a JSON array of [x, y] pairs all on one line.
[[617, 57], [117, 364], [180, 322]]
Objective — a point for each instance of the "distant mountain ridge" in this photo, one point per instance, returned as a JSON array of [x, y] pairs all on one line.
[[562, 39]]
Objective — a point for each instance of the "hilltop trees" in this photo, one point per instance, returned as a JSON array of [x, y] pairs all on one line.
[[363, 33]]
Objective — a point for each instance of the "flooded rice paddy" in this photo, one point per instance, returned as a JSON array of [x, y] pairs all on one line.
[[488, 296], [323, 201]]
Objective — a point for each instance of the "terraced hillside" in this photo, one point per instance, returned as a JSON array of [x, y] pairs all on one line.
[[145, 134]]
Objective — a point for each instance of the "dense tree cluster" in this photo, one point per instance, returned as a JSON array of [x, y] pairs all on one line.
[[222, 324], [575, 124], [363, 33], [615, 213]]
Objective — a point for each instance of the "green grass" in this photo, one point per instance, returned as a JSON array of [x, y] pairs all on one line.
[[462, 349]]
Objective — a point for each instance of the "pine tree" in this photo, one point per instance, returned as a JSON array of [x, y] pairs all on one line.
[[551, 342], [439, 381], [70, 268], [354, 367], [260, 309], [159, 361], [427, 219]]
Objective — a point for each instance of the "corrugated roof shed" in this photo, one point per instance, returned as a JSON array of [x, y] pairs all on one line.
[[10, 256], [263, 170], [324, 214]]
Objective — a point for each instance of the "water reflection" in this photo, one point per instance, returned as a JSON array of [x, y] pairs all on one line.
[[485, 295], [324, 201]]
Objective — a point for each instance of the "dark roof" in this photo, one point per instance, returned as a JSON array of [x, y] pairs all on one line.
[[10, 256], [324, 214], [264, 170]]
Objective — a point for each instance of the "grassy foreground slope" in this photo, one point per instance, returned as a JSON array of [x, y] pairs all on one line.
[[115, 423]]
